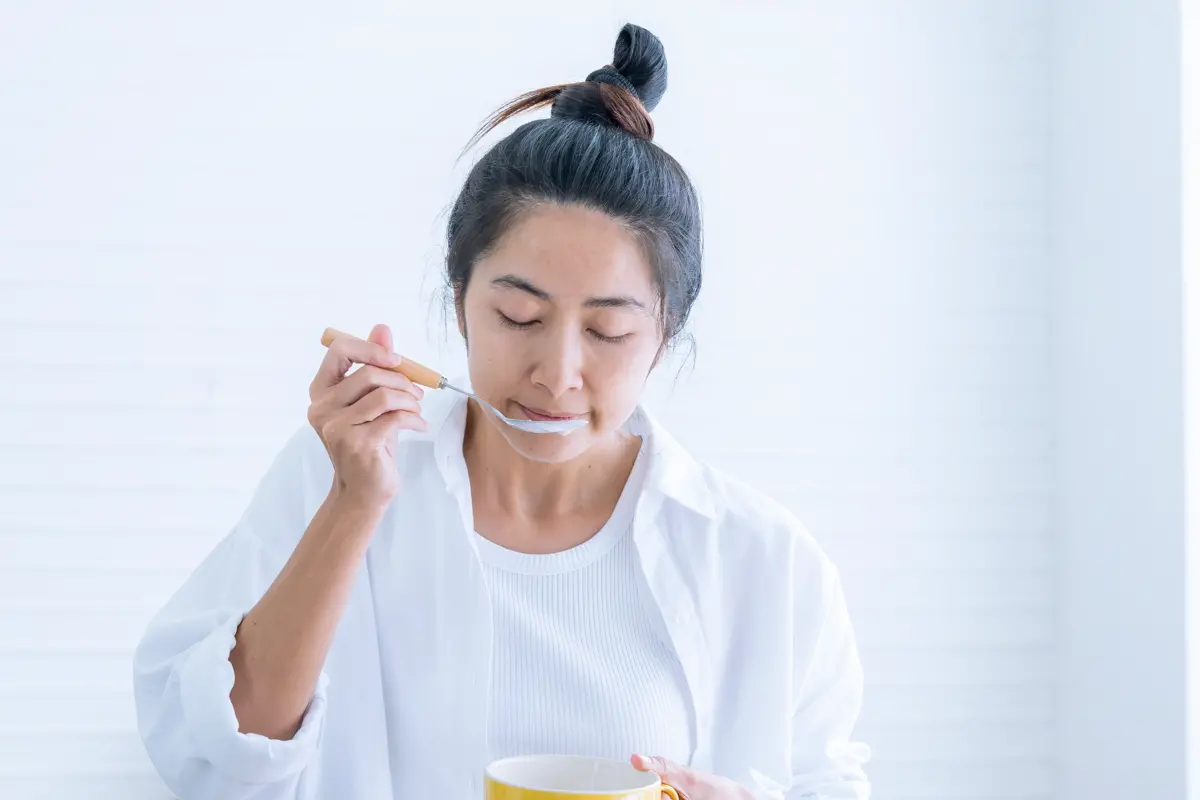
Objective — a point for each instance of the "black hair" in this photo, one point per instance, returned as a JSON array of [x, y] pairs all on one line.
[[595, 151]]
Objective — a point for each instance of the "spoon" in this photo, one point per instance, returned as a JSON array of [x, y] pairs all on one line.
[[419, 373]]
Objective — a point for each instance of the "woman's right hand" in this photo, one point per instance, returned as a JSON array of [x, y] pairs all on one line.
[[359, 416]]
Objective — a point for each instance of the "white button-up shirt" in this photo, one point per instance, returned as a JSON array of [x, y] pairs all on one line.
[[754, 609]]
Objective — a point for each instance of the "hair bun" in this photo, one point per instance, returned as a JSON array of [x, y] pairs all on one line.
[[621, 94], [612, 78], [640, 59]]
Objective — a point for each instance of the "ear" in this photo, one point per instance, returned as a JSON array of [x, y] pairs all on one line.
[[461, 317]]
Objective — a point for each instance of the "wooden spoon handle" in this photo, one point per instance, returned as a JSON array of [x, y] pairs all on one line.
[[417, 373]]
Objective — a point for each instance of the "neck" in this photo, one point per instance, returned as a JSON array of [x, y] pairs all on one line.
[[506, 482]]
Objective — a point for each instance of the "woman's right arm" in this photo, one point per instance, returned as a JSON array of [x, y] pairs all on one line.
[[283, 641], [227, 678]]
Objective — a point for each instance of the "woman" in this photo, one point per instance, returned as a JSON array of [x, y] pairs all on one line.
[[417, 589]]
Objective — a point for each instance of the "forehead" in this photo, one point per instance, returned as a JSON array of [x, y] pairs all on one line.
[[571, 252]]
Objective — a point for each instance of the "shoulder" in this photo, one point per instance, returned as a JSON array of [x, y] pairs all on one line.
[[742, 522], [749, 516], [769, 558], [750, 552]]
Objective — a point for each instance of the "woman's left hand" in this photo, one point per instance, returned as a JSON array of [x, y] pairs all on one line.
[[691, 784]]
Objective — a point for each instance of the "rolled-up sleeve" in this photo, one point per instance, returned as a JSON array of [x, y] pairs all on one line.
[[205, 680], [182, 675]]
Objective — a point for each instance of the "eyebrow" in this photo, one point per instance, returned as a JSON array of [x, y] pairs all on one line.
[[520, 284]]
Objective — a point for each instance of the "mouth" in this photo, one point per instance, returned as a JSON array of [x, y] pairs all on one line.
[[541, 415]]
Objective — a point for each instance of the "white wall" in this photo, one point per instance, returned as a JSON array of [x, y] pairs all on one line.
[[1119, 411], [192, 193], [1190, 205]]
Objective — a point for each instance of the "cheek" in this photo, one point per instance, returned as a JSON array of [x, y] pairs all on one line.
[[628, 367], [619, 381], [484, 339], [483, 360]]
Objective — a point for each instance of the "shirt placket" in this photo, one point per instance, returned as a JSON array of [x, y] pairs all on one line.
[[470, 696], [677, 608]]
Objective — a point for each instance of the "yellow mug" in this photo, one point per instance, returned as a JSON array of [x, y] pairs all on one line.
[[552, 777]]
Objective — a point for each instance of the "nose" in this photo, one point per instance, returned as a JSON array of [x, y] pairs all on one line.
[[559, 367]]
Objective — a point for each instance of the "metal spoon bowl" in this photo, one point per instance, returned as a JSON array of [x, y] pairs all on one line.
[[561, 427]]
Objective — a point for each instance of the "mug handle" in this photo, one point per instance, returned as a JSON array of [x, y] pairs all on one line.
[[670, 791]]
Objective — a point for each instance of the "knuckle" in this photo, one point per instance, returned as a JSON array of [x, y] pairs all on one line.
[[404, 400], [394, 399], [355, 381], [380, 401], [317, 385], [381, 376], [352, 351], [387, 396], [318, 409], [369, 402]]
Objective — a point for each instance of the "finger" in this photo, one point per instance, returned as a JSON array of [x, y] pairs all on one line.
[[358, 385], [377, 402], [382, 336], [652, 764], [346, 351], [392, 422], [679, 777]]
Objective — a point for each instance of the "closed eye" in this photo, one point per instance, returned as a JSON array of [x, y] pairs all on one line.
[[512, 323], [521, 325], [600, 337]]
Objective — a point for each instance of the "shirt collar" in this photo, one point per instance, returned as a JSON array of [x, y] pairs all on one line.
[[671, 471]]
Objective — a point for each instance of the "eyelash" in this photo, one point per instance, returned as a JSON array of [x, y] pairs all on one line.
[[509, 322]]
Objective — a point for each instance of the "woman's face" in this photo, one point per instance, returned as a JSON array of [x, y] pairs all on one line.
[[561, 321]]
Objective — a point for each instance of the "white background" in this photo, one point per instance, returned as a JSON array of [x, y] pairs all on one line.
[[941, 302]]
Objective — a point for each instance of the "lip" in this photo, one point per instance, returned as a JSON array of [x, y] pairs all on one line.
[[545, 416]]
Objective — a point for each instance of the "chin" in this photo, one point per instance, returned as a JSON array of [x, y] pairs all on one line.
[[548, 448]]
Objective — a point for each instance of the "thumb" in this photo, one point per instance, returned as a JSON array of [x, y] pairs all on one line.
[[673, 774], [651, 764], [382, 335]]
